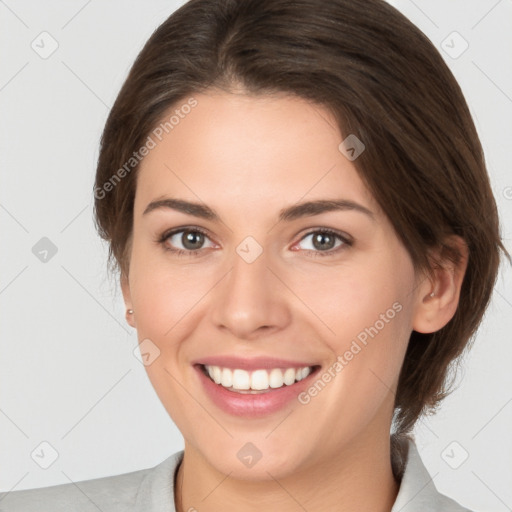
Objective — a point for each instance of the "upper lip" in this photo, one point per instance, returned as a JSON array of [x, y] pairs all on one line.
[[252, 363]]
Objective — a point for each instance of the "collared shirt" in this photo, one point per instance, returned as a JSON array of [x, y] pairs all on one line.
[[152, 490]]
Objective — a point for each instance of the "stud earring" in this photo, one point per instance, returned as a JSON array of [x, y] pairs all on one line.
[[432, 294], [129, 311]]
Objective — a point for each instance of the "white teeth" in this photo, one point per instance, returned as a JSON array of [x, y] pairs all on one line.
[[226, 378], [289, 376], [306, 371], [302, 373], [258, 380], [276, 378], [241, 379], [216, 374]]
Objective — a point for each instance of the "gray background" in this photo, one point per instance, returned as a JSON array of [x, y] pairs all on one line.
[[68, 374]]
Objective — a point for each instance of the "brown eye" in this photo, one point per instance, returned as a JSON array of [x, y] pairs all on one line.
[[185, 241], [325, 242], [192, 239]]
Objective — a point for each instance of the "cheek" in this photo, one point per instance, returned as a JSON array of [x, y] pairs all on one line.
[[161, 293], [367, 309], [164, 302], [364, 298]]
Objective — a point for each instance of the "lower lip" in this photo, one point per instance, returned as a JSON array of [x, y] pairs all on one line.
[[252, 405]]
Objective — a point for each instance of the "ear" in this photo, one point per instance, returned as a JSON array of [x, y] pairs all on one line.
[[432, 312], [125, 288]]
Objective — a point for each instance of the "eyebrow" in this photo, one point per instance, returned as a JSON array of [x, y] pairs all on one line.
[[296, 211]]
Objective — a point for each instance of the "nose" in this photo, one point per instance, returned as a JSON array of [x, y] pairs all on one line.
[[251, 300]]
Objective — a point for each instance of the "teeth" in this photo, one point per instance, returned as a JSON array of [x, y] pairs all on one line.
[[226, 378], [289, 376], [241, 379], [258, 380], [216, 374], [276, 378]]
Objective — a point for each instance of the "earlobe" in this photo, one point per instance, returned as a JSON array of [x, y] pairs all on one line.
[[438, 296], [130, 319], [125, 288]]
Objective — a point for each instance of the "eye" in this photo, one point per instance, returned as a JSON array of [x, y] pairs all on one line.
[[323, 242], [191, 240]]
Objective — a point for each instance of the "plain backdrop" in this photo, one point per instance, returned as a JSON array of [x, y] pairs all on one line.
[[69, 378]]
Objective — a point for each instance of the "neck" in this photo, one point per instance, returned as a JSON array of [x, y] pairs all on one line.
[[358, 478]]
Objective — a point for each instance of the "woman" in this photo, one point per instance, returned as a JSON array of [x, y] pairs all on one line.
[[296, 199]]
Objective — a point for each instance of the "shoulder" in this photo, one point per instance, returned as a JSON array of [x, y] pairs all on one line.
[[417, 489], [109, 494]]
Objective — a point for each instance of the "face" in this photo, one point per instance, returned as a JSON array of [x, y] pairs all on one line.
[[250, 286]]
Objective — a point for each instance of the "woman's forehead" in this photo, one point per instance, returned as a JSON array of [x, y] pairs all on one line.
[[258, 148]]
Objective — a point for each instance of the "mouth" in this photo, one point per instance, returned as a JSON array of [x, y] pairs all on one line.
[[259, 381], [253, 387]]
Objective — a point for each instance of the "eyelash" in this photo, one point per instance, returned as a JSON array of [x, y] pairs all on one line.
[[181, 252]]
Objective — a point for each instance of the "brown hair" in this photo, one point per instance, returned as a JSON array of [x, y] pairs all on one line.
[[383, 81]]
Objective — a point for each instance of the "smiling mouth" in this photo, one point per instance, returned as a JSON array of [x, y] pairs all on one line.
[[256, 381]]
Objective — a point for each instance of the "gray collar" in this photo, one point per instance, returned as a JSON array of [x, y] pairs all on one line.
[[417, 490]]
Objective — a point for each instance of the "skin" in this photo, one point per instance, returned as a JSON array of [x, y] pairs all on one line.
[[247, 157]]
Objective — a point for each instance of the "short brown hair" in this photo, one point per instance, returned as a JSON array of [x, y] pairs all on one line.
[[383, 81]]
